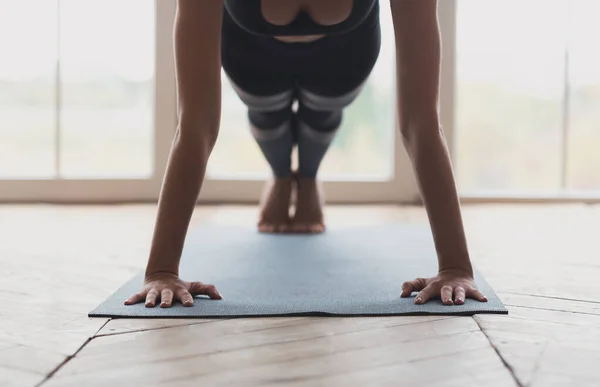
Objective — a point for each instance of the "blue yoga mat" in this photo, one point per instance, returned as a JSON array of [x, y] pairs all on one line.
[[342, 272]]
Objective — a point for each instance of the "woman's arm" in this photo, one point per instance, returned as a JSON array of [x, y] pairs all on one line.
[[197, 38], [418, 61]]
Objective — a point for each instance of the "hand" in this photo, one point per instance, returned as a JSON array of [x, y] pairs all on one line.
[[451, 285], [168, 288]]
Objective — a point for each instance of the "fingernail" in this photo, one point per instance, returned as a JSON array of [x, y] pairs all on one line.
[[419, 299], [461, 300]]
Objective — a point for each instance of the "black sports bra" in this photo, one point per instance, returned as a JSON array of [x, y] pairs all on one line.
[[248, 15]]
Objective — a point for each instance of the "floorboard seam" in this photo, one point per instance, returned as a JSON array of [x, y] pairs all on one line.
[[156, 328], [538, 363], [70, 357], [502, 359], [551, 309], [548, 297]]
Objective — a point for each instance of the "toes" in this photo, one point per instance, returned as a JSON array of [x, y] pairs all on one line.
[[299, 228], [282, 228], [307, 228], [273, 228], [266, 228], [317, 228]]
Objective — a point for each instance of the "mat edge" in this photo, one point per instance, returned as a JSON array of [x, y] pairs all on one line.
[[300, 314]]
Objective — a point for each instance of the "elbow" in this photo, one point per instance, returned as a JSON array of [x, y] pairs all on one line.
[[198, 134], [419, 132]]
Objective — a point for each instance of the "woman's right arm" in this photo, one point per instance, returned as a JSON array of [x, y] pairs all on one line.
[[197, 39]]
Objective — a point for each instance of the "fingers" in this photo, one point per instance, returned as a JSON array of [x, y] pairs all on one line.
[[168, 295], [197, 288], [446, 295], [425, 295], [166, 298], [413, 286], [151, 298], [459, 295], [451, 291], [136, 298], [477, 295], [185, 297]]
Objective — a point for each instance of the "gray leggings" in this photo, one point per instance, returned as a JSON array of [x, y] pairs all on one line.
[[323, 77], [312, 127]]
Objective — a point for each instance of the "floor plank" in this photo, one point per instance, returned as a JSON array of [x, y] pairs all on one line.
[[10, 377], [549, 303], [535, 342], [31, 360], [57, 262], [467, 368], [227, 335], [233, 352]]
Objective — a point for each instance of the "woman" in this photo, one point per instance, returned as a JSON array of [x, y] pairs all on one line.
[[318, 53]]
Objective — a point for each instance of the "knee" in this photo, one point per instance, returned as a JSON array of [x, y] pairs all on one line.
[[265, 103], [324, 113], [318, 102], [319, 120], [265, 120]]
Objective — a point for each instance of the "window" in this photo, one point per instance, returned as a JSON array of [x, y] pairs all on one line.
[[88, 106], [527, 98], [27, 89], [106, 89], [79, 82]]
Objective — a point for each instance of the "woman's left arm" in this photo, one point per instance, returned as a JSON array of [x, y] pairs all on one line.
[[418, 63]]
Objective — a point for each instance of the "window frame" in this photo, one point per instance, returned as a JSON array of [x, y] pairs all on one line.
[[59, 190]]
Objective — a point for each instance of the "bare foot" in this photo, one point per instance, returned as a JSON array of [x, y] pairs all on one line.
[[275, 206], [309, 206]]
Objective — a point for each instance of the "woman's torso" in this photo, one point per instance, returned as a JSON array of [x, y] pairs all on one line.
[[299, 20]]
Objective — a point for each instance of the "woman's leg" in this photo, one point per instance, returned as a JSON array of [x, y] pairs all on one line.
[[323, 94], [269, 96], [270, 118], [317, 122]]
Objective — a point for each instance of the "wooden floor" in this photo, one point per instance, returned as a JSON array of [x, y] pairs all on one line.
[[57, 263]]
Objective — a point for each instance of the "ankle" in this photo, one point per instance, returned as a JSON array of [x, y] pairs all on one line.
[[304, 177], [282, 177]]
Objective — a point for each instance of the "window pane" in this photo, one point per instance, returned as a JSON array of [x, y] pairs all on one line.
[[583, 156], [510, 95], [107, 88], [27, 88], [363, 147]]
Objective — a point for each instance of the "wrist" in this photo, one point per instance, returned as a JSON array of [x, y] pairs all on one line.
[[161, 259], [465, 269], [455, 257], [158, 269]]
